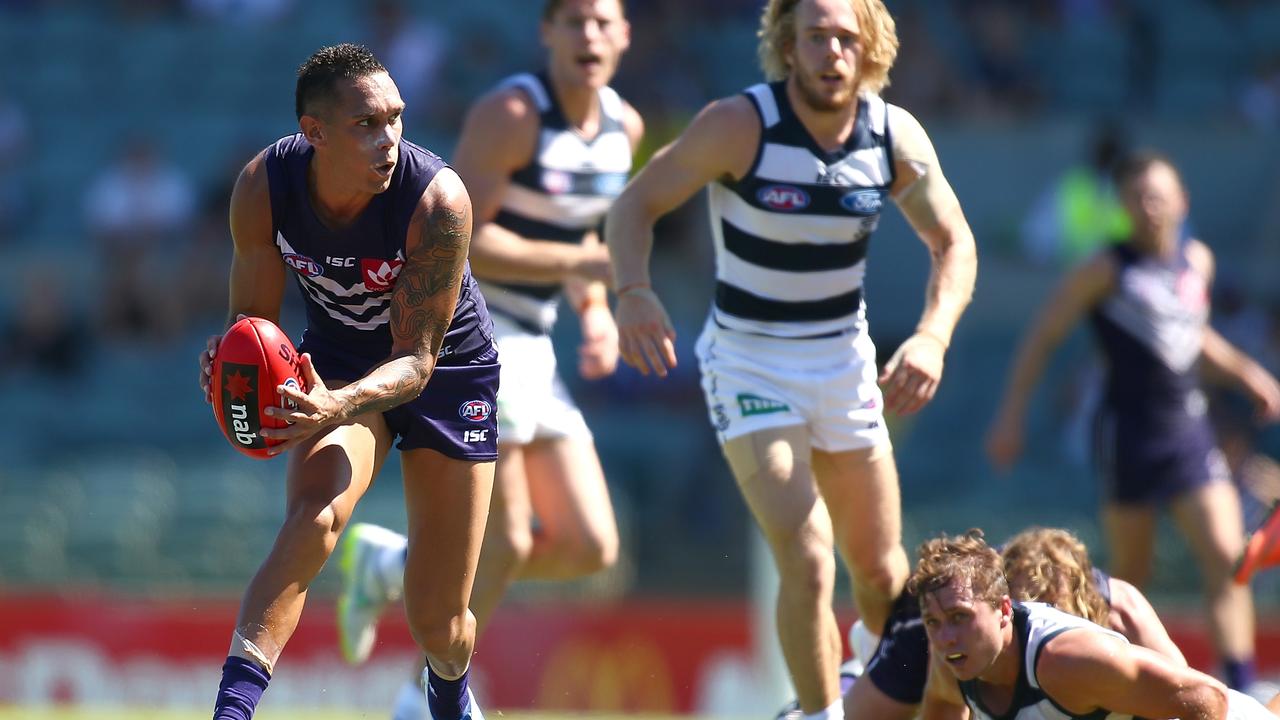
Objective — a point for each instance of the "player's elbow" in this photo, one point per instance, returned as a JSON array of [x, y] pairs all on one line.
[[1207, 700]]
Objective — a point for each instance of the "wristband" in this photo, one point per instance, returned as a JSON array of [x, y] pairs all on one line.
[[629, 287], [935, 338], [588, 303]]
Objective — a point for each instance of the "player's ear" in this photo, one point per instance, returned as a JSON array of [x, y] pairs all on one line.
[[1006, 610], [312, 129]]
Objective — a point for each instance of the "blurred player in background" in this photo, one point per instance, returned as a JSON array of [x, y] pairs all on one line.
[[799, 170], [543, 157], [1148, 300], [375, 231], [1047, 565], [1002, 659]]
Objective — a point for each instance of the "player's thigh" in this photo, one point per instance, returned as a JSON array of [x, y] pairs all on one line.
[[1211, 519], [510, 509], [773, 472], [865, 701], [336, 466], [568, 490], [1130, 530], [447, 504], [861, 491]]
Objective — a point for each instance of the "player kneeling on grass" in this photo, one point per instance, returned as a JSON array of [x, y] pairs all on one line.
[[999, 658]]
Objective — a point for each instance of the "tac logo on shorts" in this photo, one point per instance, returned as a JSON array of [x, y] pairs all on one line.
[[303, 265], [863, 202], [749, 405], [475, 410], [380, 274], [786, 198]]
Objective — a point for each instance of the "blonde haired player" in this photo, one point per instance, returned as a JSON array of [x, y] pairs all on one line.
[[991, 657], [799, 170]]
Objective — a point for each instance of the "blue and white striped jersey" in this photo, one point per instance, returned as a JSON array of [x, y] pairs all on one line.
[[791, 235], [563, 193]]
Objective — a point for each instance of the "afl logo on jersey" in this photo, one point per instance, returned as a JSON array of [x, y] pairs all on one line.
[[786, 198], [863, 202], [475, 410], [557, 182], [303, 265]]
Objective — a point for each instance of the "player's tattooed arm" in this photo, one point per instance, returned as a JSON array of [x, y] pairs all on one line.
[[423, 302]]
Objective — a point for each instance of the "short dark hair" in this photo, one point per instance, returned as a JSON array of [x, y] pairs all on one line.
[[317, 75], [1138, 162], [551, 6]]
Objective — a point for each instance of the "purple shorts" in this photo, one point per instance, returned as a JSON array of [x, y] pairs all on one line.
[[456, 415]]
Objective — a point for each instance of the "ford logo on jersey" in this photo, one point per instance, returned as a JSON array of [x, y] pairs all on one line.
[[303, 264], [786, 198], [475, 410], [863, 202]]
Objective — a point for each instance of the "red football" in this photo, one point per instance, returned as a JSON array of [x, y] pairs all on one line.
[[253, 358]]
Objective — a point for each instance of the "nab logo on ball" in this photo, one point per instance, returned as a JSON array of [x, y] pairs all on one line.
[[786, 198], [475, 410], [240, 404]]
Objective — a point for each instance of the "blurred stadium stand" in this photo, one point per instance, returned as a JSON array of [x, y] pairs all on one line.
[[115, 475]]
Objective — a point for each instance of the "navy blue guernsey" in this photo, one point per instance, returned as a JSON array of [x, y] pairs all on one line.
[[347, 275]]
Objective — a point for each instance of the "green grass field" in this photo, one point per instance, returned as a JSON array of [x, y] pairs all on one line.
[[141, 714]]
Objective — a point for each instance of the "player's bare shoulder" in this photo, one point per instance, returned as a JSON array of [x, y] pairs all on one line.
[[632, 124], [505, 114], [726, 134], [913, 152], [441, 223], [251, 204]]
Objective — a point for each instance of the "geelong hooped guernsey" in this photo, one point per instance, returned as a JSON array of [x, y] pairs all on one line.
[[791, 235], [560, 195], [347, 274], [1035, 624]]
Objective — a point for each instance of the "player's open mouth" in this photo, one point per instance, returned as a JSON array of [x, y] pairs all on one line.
[[590, 61], [956, 658], [384, 169], [831, 77]]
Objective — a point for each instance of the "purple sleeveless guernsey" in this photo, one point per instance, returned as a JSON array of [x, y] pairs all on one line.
[[1153, 437], [347, 277]]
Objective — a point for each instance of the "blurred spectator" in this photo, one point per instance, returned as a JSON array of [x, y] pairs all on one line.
[[14, 141], [1260, 98], [413, 50], [45, 336], [1005, 81], [136, 212], [1079, 213]]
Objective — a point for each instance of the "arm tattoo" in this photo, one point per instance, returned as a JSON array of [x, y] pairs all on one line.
[[422, 306]]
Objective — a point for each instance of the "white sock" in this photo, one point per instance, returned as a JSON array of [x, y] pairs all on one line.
[[411, 703], [834, 712]]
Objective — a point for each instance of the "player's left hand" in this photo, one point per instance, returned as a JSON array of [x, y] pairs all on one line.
[[911, 376], [317, 408], [598, 353]]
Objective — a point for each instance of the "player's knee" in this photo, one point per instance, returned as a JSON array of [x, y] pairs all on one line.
[[592, 551], [806, 565], [442, 634], [881, 575], [511, 546], [314, 527]]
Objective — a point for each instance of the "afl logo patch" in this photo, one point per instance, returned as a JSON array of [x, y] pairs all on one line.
[[303, 264], [786, 198], [557, 182], [475, 410], [863, 202]]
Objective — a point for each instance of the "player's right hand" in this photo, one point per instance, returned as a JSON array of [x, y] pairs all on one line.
[[646, 339], [1004, 443], [206, 366]]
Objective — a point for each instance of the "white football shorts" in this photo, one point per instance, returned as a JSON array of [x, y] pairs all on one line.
[[754, 382], [533, 403]]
